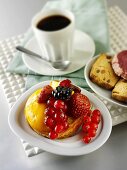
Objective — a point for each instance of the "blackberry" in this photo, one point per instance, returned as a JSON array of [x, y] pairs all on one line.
[[62, 93]]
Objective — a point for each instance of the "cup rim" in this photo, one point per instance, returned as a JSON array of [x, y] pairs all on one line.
[[50, 12]]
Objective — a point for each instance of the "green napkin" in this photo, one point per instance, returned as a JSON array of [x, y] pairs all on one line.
[[91, 17]]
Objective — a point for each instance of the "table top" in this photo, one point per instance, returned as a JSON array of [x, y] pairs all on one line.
[[112, 155]]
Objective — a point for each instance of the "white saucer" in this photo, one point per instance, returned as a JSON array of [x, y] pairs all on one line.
[[84, 49], [71, 146]]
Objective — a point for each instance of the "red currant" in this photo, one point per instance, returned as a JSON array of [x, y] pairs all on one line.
[[96, 112], [59, 116], [94, 126], [95, 119], [51, 101], [53, 135], [92, 132], [50, 111], [49, 122], [86, 127], [66, 125], [65, 118], [59, 104], [86, 119], [86, 139], [59, 128]]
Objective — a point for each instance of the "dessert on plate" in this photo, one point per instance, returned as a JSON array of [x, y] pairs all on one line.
[[59, 110]]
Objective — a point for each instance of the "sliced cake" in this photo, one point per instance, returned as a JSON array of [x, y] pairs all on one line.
[[120, 91], [102, 73]]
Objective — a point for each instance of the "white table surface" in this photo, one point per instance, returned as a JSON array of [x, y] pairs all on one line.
[[112, 155]]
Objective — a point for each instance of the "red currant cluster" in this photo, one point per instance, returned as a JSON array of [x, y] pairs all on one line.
[[56, 118], [90, 125]]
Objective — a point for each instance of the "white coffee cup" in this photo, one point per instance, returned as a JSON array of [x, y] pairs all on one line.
[[55, 45]]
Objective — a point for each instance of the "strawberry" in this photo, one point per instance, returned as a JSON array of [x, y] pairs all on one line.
[[45, 94], [79, 105], [65, 83]]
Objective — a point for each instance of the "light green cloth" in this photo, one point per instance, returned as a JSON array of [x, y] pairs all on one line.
[[91, 17]]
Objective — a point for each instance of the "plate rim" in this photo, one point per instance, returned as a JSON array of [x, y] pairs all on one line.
[[12, 119], [87, 67], [61, 73]]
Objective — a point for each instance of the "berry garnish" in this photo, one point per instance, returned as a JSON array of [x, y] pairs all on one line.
[[92, 132], [45, 94], [86, 127], [75, 88], [62, 93], [59, 116], [86, 139], [51, 101], [65, 124], [65, 118], [96, 112], [86, 119], [78, 105], [50, 111], [90, 124], [95, 119], [49, 122], [94, 126], [59, 104], [65, 83], [59, 128], [53, 135]]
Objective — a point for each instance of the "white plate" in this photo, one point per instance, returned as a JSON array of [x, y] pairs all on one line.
[[71, 146], [84, 49], [104, 93]]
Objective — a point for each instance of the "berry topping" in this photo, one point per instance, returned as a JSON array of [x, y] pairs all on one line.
[[49, 122], [86, 127], [94, 126], [59, 104], [95, 119], [59, 128], [51, 101], [65, 124], [45, 94], [86, 119], [90, 125], [96, 112], [75, 89], [86, 139], [92, 132], [50, 111], [62, 93], [79, 105], [65, 118], [53, 135], [59, 116], [65, 83]]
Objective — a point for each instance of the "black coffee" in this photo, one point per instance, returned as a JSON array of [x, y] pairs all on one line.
[[53, 23]]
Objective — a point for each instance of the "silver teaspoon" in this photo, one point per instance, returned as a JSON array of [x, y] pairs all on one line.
[[61, 65]]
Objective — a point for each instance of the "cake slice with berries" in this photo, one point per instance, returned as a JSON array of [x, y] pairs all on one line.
[[57, 110]]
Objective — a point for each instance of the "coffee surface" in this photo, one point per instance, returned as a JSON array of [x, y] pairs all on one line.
[[53, 23]]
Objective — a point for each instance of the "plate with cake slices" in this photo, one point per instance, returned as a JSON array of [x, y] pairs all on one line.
[[61, 118], [106, 74]]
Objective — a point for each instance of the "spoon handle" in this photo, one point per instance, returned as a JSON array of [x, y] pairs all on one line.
[[26, 51]]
